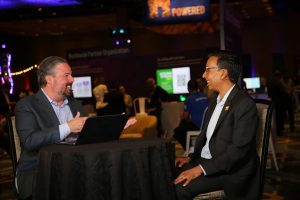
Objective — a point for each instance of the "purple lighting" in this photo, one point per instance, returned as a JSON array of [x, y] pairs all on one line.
[[12, 4], [51, 2], [6, 4], [3, 46], [117, 42]]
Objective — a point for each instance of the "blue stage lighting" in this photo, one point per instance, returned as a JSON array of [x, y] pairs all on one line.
[[121, 30]]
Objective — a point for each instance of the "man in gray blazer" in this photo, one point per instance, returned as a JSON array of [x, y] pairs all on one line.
[[45, 118], [225, 156]]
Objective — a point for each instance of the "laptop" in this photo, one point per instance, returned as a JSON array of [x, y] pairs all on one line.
[[98, 129]]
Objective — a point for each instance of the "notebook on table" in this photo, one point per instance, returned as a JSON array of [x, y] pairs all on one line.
[[98, 129]]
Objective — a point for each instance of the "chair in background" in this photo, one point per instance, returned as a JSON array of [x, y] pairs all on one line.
[[139, 105], [265, 110], [262, 110], [89, 109], [144, 127], [171, 116], [191, 136], [14, 144]]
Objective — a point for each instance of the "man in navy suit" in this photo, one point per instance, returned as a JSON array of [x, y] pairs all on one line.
[[45, 118], [225, 156]]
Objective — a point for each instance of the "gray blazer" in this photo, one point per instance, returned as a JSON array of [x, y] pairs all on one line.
[[37, 126]]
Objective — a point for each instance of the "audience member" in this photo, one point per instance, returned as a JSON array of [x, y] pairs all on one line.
[[115, 101], [45, 118], [280, 97], [194, 108], [225, 156], [127, 99], [24, 93], [99, 91], [156, 95], [288, 85]]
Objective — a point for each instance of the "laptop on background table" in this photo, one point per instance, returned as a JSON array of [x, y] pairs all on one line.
[[98, 129]]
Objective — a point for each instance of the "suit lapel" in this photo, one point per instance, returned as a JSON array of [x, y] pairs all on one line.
[[44, 104], [210, 111], [201, 139], [226, 107]]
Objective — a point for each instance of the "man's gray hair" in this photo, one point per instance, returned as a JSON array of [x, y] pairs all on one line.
[[47, 67]]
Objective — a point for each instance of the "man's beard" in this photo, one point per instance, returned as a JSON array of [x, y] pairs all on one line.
[[68, 91]]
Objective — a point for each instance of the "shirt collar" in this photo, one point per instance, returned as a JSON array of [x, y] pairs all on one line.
[[220, 101], [65, 102]]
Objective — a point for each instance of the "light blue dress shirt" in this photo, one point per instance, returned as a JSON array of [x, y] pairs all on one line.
[[64, 114]]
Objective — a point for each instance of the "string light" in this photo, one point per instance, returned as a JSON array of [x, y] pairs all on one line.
[[24, 71]]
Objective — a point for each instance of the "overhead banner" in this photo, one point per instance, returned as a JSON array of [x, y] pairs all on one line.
[[81, 54], [176, 11]]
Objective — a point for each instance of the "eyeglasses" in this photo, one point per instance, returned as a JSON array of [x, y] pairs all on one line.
[[207, 69]]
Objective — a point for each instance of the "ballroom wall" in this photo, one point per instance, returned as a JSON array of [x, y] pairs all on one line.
[[146, 47], [261, 39]]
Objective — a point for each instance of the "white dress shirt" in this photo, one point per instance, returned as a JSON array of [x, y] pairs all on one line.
[[205, 153]]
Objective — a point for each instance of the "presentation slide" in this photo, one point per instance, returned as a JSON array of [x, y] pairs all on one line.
[[164, 79], [82, 87], [252, 83], [181, 76], [174, 80]]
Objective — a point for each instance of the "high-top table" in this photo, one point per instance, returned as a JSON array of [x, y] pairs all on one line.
[[125, 169]]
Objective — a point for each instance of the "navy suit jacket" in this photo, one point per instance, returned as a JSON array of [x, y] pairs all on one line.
[[233, 146]]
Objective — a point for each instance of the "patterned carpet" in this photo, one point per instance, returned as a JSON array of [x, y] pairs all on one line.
[[6, 177], [279, 185], [285, 184]]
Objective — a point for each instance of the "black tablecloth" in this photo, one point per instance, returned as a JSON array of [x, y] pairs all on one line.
[[126, 169]]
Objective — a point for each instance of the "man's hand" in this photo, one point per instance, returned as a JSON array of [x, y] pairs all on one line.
[[77, 123], [188, 175], [179, 161]]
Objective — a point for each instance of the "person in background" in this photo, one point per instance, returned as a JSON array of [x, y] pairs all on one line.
[[225, 156], [156, 95], [288, 84], [24, 93], [194, 108], [279, 95], [99, 91], [127, 99], [47, 117], [114, 100]]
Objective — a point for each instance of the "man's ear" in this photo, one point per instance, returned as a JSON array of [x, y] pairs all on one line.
[[224, 74], [48, 79]]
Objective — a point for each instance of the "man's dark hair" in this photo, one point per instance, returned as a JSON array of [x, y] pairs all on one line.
[[230, 61], [47, 67]]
